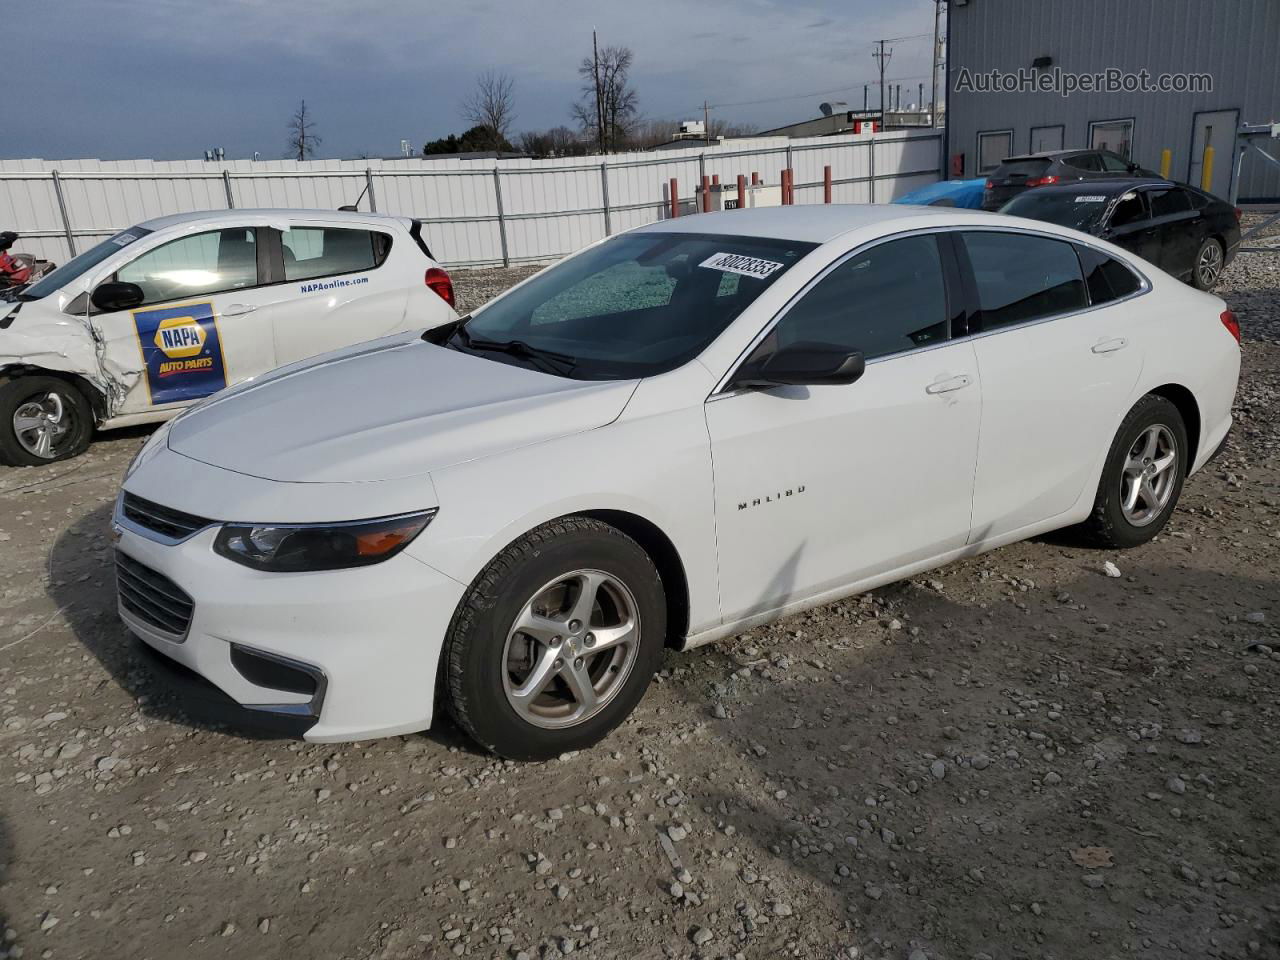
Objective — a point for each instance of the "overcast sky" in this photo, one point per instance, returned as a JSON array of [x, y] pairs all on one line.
[[169, 78]]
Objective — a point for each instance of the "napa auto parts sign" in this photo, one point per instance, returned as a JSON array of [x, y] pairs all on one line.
[[182, 352]]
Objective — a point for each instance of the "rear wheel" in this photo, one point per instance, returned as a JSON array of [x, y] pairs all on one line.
[[1210, 261], [556, 641], [1142, 477], [42, 419]]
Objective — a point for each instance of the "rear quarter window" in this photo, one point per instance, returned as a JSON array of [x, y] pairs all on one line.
[[311, 252], [1106, 278]]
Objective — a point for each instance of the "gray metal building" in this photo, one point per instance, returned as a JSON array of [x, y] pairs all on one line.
[[1235, 42]]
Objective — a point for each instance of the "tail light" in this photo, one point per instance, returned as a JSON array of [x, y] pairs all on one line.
[[1239, 214], [1231, 323], [1041, 181], [441, 284], [989, 185]]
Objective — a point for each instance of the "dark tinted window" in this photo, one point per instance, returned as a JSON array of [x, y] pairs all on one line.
[[328, 251], [1113, 164], [1021, 277], [1166, 202], [1085, 161], [884, 300], [1080, 211], [1107, 279], [1021, 168], [1131, 209]]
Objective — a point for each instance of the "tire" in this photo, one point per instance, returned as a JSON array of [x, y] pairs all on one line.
[[1134, 449], [1209, 263], [61, 421], [492, 669]]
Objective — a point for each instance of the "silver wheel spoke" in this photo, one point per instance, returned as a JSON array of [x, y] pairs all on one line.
[[542, 673], [579, 682], [1164, 463], [588, 585], [1131, 498], [605, 637], [1149, 494], [540, 628], [44, 443], [1152, 442], [22, 423]]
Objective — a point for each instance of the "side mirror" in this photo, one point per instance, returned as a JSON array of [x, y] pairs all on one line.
[[111, 296], [805, 364]]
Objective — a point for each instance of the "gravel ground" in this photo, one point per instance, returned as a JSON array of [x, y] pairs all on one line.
[[1017, 756]]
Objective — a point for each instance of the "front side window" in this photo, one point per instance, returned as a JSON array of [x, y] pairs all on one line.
[[1022, 277], [1131, 208], [196, 265], [993, 148], [634, 306], [311, 252], [1105, 277], [888, 299]]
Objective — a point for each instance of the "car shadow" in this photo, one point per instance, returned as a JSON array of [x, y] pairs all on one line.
[[910, 777], [82, 584]]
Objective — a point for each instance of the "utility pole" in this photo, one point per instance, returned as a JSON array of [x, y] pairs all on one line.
[[882, 58], [933, 68], [706, 124], [864, 98], [595, 71]]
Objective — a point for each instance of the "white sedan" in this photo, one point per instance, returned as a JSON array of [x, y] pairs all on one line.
[[679, 433], [165, 313]]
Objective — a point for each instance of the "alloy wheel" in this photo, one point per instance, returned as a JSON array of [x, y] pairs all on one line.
[[39, 423], [1209, 266], [571, 649], [1149, 475]]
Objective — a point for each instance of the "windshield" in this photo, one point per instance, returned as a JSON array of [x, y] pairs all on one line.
[[77, 265], [1080, 211], [634, 306]]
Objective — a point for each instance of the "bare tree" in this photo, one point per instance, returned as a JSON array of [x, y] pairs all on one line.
[[303, 140], [491, 105], [556, 142], [609, 103]]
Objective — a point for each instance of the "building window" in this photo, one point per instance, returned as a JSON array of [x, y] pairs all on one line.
[[993, 147], [1047, 138], [1113, 135]]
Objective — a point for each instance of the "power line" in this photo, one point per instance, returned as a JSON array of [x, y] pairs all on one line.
[[812, 93]]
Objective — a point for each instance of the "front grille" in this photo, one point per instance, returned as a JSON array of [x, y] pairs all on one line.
[[167, 522], [152, 597]]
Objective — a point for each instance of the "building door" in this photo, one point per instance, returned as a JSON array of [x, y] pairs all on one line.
[[1215, 129], [1046, 138]]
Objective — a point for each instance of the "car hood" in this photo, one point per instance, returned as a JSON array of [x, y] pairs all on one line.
[[388, 410]]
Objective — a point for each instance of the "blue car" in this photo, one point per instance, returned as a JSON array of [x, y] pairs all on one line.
[[948, 193]]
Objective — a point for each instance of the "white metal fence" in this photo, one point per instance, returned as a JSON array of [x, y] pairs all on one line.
[[476, 212]]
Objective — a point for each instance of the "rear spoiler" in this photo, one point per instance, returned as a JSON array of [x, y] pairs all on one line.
[[415, 231]]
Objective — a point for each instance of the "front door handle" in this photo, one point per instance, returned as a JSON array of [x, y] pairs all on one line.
[[1110, 346], [946, 386], [238, 309]]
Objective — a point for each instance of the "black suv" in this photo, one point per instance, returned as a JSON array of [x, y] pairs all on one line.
[[1053, 166], [1182, 230]]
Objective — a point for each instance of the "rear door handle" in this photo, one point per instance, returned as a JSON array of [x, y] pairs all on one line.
[[238, 309], [1110, 346], [946, 386]]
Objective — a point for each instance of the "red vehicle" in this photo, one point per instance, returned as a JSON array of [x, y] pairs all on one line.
[[18, 269]]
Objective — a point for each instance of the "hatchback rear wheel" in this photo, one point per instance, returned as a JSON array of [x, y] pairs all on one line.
[[42, 419]]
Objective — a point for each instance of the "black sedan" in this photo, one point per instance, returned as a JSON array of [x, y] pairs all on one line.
[[1183, 231], [1049, 167]]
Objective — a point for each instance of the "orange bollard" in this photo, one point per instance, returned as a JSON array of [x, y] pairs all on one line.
[[675, 200], [706, 194], [755, 179], [826, 184], [742, 192]]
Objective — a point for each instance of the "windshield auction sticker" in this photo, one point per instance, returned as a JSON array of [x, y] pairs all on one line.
[[182, 352], [737, 263]]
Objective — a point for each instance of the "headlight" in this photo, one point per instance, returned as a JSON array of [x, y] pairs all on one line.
[[294, 548]]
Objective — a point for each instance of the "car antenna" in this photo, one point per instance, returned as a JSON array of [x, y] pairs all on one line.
[[354, 207]]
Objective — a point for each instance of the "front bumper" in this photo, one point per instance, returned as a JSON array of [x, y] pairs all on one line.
[[368, 638]]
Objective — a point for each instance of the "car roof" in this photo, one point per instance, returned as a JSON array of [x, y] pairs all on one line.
[[264, 213], [1107, 185], [814, 223], [1050, 154]]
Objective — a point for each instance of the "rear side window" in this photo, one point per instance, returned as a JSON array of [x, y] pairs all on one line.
[[1167, 202], [1113, 164], [311, 252], [1021, 168], [888, 299], [1085, 161], [1106, 278], [1021, 277], [197, 265]]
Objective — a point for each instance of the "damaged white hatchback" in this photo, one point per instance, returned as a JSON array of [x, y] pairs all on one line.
[[170, 311]]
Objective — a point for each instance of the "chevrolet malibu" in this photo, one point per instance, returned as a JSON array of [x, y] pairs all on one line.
[[679, 433]]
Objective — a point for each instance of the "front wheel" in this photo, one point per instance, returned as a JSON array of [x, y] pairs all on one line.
[[556, 640], [1142, 477], [1210, 261], [42, 419]]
